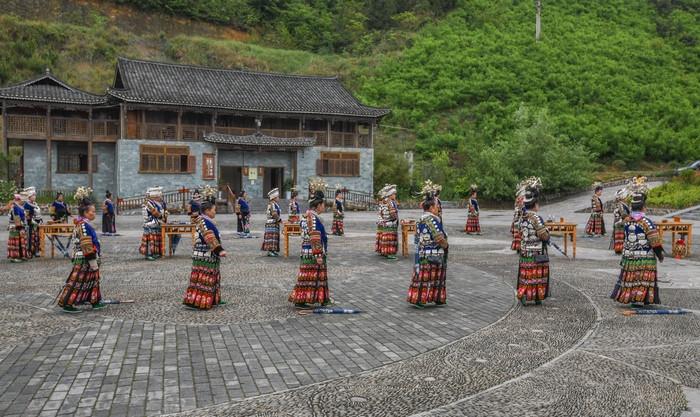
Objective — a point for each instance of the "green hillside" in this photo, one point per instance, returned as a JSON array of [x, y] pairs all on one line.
[[613, 83]]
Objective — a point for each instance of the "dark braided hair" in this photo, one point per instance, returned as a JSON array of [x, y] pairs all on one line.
[[207, 204], [84, 206], [318, 199]]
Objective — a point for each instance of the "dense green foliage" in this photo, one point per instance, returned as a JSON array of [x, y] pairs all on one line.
[[679, 193], [315, 25], [607, 79]]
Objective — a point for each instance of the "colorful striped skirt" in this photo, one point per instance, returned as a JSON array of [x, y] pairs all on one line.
[[595, 225], [387, 243], [533, 279], [338, 228], [151, 242], [428, 283], [17, 245], [637, 282], [473, 225], [618, 238], [271, 239], [204, 290], [312, 281], [82, 285]]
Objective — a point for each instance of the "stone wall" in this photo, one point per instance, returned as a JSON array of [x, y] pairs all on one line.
[[306, 168], [131, 182], [256, 159], [35, 167]]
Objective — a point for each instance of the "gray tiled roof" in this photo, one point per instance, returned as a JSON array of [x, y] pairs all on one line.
[[258, 139], [185, 85], [49, 89]]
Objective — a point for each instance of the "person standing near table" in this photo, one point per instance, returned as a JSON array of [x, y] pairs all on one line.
[[33, 213], [388, 223], [430, 264], [533, 267], [59, 210], [83, 283], [17, 245], [312, 280], [154, 215], [294, 210], [204, 290]]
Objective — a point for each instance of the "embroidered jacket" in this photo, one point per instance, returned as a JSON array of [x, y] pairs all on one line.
[[86, 244], [388, 214], [33, 212], [294, 208], [273, 213], [153, 214], [243, 206], [314, 240], [473, 207], [621, 211], [641, 236], [596, 204], [59, 211], [430, 238], [208, 240], [17, 217], [339, 209], [533, 234]]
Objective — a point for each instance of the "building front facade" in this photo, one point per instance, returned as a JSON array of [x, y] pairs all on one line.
[[180, 126]]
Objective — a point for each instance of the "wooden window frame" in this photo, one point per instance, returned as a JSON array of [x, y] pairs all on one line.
[[60, 164], [338, 164], [167, 159], [208, 166]]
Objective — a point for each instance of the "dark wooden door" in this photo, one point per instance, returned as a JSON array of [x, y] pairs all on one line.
[[231, 176]]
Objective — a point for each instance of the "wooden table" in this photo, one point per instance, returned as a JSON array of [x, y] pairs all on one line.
[[677, 227], [290, 229], [567, 230], [55, 229], [169, 229], [407, 226]]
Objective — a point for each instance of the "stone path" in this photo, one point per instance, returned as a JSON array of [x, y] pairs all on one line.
[[481, 355]]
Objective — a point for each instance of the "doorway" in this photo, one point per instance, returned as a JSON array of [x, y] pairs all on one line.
[[231, 176], [273, 178]]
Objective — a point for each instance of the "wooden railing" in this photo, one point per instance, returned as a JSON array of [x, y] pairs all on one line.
[[342, 140], [175, 201], [320, 135], [354, 200], [161, 131], [61, 127], [194, 132]]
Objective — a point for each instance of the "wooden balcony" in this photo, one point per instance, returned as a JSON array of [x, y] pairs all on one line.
[[62, 128], [343, 140]]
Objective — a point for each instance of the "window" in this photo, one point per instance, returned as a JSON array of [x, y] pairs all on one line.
[[208, 166], [338, 164], [75, 163], [166, 159]]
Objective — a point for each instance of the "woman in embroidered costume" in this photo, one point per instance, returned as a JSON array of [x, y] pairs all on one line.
[[33, 213], [533, 270], [244, 210], [154, 215], [271, 239], [596, 223], [294, 209], [387, 243], [83, 283], [473, 226], [620, 213], [17, 245], [204, 291], [109, 216], [430, 265], [338, 228], [59, 210], [637, 282], [312, 280], [194, 207]]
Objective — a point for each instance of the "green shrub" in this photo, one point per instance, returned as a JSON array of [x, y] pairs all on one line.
[[679, 193]]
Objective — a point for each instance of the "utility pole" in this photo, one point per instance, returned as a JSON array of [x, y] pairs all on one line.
[[538, 20]]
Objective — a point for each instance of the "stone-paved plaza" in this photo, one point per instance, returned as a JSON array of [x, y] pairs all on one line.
[[482, 355]]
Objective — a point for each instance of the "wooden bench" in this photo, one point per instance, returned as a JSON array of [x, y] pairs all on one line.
[[54, 229], [169, 229], [408, 226], [566, 230], [290, 229], [677, 227]]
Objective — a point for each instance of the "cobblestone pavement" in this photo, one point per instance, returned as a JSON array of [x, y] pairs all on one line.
[[481, 355]]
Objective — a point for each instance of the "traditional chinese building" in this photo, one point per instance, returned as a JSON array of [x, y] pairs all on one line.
[[183, 126]]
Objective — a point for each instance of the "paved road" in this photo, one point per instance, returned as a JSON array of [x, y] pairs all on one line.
[[481, 355]]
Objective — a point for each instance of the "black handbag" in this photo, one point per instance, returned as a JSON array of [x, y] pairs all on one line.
[[542, 258]]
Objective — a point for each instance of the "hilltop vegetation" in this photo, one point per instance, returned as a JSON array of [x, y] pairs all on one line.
[[472, 94]]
